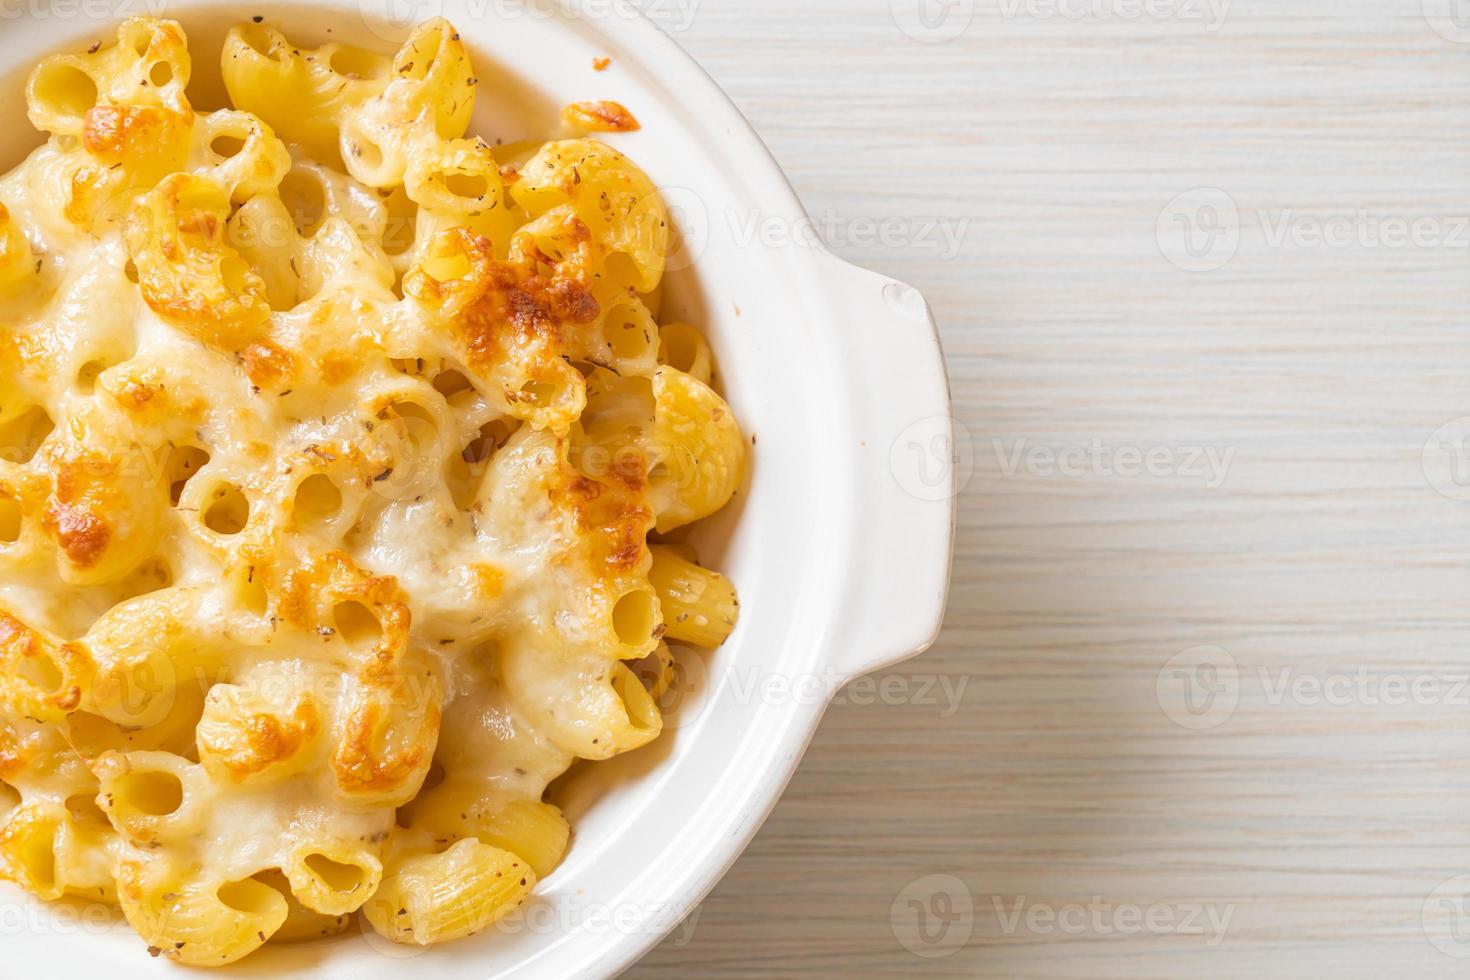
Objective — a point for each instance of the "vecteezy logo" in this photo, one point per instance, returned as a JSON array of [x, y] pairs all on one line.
[[1198, 688], [1450, 19], [683, 697], [390, 20], [1446, 917], [933, 916], [381, 944], [688, 220], [1446, 460], [933, 458], [1199, 230], [932, 21]]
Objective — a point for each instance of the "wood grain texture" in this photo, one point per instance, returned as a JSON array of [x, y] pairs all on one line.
[[1318, 825]]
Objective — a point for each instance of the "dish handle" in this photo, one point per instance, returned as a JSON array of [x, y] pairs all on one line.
[[904, 486]]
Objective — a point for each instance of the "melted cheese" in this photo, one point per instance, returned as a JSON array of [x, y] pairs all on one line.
[[324, 542]]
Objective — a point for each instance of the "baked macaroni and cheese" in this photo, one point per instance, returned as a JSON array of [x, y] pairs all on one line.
[[332, 448]]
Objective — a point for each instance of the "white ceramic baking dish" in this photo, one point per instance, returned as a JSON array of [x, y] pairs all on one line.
[[839, 544]]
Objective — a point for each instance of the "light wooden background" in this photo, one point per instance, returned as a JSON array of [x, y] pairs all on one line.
[[1320, 824]]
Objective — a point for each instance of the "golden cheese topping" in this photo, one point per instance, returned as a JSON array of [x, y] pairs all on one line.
[[330, 451]]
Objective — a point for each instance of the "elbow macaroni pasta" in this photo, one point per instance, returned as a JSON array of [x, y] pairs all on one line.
[[330, 452]]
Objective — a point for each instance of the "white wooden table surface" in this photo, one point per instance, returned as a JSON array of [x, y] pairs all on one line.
[[1199, 708]]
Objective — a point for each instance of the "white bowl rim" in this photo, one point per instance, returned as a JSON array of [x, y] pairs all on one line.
[[925, 592]]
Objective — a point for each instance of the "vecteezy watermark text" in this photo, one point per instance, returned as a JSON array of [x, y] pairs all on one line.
[[1210, 14], [946, 236], [98, 10], [1200, 688], [1099, 917], [389, 20], [938, 21], [1209, 464], [944, 692], [1201, 230]]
